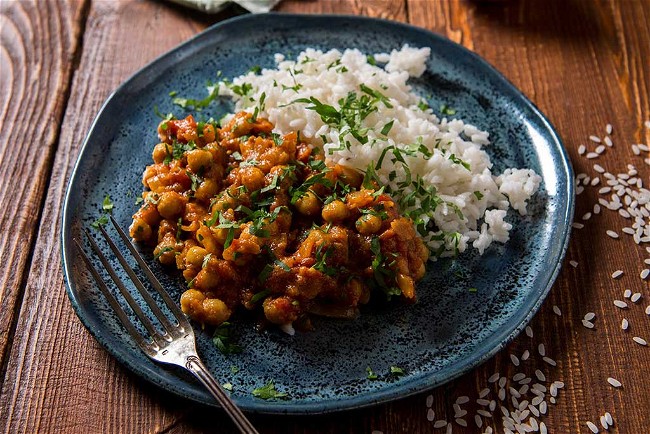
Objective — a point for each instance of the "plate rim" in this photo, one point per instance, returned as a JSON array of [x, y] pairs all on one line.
[[395, 390]]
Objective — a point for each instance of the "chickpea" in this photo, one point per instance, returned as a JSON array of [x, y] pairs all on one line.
[[206, 190], [215, 311], [199, 160], [192, 302], [308, 204], [171, 204], [252, 178], [368, 224], [195, 256], [160, 152], [206, 279], [335, 211], [209, 134], [140, 230]]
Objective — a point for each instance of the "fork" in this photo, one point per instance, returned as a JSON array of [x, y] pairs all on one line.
[[176, 345]]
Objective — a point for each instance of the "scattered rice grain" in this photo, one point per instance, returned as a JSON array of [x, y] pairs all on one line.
[[640, 340], [549, 361], [609, 418], [609, 129], [483, 393], [589, 316], [587, 324], [431, 415], [462, 400], [612, 234], [574, 264], [541, 350], [540, 375], [620, 304], [595, 139], [616, 274], [478, 421], [600, 149], [525, 355], [608, 142], [461, 422], [429, 401], [440, 423], [557, 310], [581, 149], [484, 413], [636, 297], [614, 382], [494, 377], [592, 427], [645, 273], [603, 422], [627, 293], [592, 155], [624, 324]]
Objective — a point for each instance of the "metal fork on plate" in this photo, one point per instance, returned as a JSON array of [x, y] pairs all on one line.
[[176, 345]]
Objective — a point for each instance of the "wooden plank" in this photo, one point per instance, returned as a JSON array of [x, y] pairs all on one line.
[[388, 9], [38, 49], [58, 378]]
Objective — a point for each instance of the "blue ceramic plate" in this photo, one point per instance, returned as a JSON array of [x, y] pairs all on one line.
[[449, 331]]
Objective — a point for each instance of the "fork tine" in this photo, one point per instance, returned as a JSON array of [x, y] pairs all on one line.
[[153, 305], [147, 347], [155, 335], [178, 314]]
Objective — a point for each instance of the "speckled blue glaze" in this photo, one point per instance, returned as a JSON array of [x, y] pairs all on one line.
[[448, 331]]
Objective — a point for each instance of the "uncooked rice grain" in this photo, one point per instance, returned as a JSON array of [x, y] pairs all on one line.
[[617, 274], [592, 427], [609, 418], [614, 382], [624, 324], [595, 139], [557, 310], [620, 304], [439, 423], [636, 297], [640, 340], [645, 273]]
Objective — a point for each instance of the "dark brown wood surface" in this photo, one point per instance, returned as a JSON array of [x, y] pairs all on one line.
[[584, 63]]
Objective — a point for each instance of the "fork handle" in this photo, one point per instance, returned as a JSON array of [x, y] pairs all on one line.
[[196, 367]]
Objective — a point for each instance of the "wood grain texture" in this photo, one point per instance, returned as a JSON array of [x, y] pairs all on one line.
[[583, 63], [37, 50]]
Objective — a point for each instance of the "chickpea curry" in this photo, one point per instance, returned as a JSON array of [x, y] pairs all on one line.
[[261, 222]]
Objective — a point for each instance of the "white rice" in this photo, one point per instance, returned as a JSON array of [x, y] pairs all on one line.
[[455, 163]]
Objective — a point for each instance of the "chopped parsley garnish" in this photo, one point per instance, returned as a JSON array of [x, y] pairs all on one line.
[[107, 204], [370, 375], [387, 128], [256, 69], [397, 371], [101, 221], [446, 110], [260, 295], [423, 105], [234, 369], [457, 160], [199, 104], [227, 386], [371, 60], [268, 391], [478, 195], [473, 290], [223, 339], [162, 252]]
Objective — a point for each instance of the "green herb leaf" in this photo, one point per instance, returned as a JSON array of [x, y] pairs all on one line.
[[163, 251], [370, 375], [101, 221], [107, 204], [223, 340], [446, 110], [387, 128], [397, 371], [268, 391], [260, 295], [227, 386]]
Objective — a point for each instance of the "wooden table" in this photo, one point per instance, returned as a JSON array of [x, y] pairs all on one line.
[[585, 63]]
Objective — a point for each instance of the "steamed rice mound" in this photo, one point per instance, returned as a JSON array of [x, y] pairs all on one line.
[[436, 169]]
